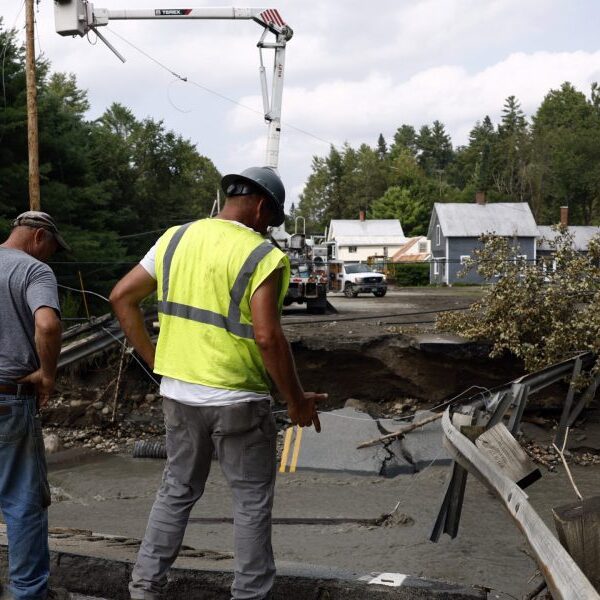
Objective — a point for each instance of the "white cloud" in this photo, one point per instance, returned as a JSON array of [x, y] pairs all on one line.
[[354, 69], [360, 109]]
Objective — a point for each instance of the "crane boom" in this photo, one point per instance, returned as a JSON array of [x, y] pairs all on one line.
[[79, 17]]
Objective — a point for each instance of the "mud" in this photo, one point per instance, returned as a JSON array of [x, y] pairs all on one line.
[[389, 365]]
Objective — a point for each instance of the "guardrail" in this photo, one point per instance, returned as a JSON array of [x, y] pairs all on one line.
[[482, 445], [99, 334]]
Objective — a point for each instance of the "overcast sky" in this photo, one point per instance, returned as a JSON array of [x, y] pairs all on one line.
[[354, 69]]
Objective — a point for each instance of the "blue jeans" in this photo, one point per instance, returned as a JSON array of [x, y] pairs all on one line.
[[24, 497]]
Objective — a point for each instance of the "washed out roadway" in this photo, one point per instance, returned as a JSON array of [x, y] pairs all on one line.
[[113, 495]]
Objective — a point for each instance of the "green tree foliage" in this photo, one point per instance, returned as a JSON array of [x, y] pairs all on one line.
[[108, 182], [548, 161], [533, 311], [405, 140], [434, 148], [566, 135], [341, 185], [402, 203]]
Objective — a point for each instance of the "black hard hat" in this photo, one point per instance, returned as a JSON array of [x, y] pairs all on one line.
[[262, 180]]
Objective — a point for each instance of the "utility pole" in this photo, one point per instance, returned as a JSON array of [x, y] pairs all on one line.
[[32, 115]]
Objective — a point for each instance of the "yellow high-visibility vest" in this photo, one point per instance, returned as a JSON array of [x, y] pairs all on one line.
[[207, 272]]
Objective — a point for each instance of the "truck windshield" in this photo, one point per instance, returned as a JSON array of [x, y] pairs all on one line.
[[358, 269]]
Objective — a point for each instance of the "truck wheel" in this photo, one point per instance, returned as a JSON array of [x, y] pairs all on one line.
[[349, 291], [379, 293]]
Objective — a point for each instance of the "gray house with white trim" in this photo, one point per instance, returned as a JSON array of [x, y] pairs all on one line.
[[582, 236], [455, 229]]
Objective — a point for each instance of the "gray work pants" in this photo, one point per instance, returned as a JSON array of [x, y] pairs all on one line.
[[243, 436]]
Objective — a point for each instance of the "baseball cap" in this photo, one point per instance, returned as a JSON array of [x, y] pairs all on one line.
[[37, 218]]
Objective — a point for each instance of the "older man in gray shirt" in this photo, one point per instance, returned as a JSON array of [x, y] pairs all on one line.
[[30, 336]]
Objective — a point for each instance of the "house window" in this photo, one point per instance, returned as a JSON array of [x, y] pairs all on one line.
[[352, 249], [422, 247], [438, 235], [436, 267], [464, 258]]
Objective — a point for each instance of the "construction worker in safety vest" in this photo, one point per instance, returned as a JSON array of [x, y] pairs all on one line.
[[220, 288]]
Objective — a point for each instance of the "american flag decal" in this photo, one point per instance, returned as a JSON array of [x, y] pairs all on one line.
[[271, 15]]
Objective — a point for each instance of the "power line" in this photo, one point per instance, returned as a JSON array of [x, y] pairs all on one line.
[[214, 92]]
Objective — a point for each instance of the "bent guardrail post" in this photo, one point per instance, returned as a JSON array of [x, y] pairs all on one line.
[[561, 433], [565, 579]]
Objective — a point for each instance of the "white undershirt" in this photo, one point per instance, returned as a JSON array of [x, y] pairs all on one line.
[[196, 394]]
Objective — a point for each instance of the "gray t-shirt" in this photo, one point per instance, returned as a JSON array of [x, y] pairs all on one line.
[[26, 284]]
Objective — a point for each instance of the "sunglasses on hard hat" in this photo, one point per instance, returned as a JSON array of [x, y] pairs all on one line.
[[240, 189]]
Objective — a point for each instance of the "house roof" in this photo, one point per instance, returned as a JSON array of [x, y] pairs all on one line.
[[473, 220], [368, 232], [403, 256], [369, 241], [582, 235]]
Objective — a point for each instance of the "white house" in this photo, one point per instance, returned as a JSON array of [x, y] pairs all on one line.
[[355, 240]]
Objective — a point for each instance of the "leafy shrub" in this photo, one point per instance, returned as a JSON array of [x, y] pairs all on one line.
[[409, 274]]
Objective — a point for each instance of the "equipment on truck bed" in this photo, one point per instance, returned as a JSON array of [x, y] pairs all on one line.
[[309, 273]]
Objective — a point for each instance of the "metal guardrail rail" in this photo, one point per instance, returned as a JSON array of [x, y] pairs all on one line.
[[465, 424], [104, 332], [564, 578]]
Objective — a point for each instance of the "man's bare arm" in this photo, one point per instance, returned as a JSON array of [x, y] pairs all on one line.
[[277, 355], [125, 300], [48, 330]]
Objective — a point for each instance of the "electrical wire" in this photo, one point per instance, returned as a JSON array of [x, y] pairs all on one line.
[[368, 317], [66, 287], [37, 31], [214, 92], [140, 363]]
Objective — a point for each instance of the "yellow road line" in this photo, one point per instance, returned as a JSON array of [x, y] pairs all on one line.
[[286, 449], [296, 450]]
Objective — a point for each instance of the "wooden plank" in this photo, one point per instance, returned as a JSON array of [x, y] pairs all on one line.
[[507, 453], [578, 527], [565, 579], [400, 433]]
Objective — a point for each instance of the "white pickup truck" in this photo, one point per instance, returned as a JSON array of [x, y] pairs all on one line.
[[359, 278]]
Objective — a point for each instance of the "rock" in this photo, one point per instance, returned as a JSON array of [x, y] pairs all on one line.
[[97, 439], [98, 405], [356, 404], [76, 403], [150, 397], [105, 410], [52, 443]]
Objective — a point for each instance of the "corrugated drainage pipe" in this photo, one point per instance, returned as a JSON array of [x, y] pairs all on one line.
[[146, 449]]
